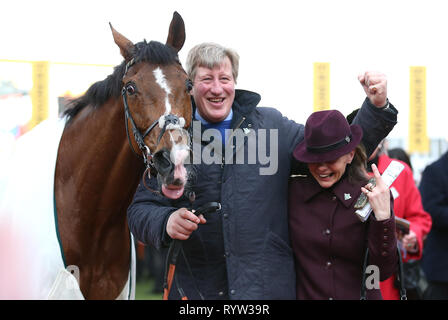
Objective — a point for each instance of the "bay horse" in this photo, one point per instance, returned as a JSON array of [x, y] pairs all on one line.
[[97, 171]]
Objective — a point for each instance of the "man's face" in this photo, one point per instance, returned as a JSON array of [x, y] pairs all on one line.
[[214, 91]]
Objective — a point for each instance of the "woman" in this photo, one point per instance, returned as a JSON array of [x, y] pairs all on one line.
[[328, 239]]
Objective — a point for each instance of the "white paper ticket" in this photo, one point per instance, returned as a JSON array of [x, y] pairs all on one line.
[[389, 175]]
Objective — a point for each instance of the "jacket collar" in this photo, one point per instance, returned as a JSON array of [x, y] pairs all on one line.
[[245, 102], [344, 191]]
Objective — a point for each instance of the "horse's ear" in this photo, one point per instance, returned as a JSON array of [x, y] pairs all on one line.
[[123, 43], [176, 35]]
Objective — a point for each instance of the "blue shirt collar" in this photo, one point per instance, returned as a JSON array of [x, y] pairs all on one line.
[[197, 116]]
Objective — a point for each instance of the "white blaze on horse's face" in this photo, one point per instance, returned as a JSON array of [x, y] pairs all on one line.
[[179, 140], [161, 81]]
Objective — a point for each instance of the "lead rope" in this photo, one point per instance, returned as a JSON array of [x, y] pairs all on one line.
[[173, 253], [147, 172]]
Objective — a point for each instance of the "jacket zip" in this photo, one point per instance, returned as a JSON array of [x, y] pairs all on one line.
[[230, 138]]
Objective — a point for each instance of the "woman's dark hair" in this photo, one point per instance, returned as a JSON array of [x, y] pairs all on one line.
[[356, 171], [400, 154]]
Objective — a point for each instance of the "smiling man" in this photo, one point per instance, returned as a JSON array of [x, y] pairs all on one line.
[[214, 91], [242, 251]]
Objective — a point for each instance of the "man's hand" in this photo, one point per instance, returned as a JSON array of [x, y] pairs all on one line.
[[375, 86], [182, 223]]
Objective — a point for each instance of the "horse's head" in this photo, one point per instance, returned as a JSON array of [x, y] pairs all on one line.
[[157, 104]]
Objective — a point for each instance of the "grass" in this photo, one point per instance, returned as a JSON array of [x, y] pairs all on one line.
[[143, 290], [150, 265]]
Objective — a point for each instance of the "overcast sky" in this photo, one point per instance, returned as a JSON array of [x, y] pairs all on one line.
[[278, 41]]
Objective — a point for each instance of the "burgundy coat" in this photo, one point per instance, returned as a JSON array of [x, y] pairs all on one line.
[[329, 240]]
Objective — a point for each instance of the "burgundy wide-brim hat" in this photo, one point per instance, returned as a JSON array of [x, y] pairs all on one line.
[[328, 136]]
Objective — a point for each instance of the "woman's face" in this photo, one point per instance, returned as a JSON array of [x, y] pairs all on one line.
[[328, 173]]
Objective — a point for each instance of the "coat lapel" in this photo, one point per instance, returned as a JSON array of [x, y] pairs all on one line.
[[346, 192]]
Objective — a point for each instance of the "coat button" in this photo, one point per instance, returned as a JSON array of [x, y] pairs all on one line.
[[220, 293], [232, 291], [327, 232], [385, 237], [385, 244], [225, 215], [384, 253], [385, 230], [328, 265], [333, 198]]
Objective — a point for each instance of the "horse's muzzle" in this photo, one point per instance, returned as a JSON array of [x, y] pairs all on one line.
[[163, 163]]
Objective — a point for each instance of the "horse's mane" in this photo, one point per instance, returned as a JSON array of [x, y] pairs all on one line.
[[99, 92]]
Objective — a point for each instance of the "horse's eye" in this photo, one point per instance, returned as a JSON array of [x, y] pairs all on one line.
[[189, 84], [131, 89]]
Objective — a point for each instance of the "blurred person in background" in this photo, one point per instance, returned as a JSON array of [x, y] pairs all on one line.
[[434, 191], [407, 205], [400, 154], [150, 265]]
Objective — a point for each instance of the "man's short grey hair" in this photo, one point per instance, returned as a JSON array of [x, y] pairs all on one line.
[[210, 55]]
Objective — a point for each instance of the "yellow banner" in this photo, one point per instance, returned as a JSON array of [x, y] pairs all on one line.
[[418, 138], [321, 86], [39, 93]]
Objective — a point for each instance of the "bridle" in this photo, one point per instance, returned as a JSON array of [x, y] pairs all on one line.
[[138, 136], [176, 245]]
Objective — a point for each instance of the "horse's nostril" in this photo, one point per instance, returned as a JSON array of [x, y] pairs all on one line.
[[163, 163]]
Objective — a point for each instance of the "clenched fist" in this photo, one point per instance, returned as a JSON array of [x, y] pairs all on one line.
[[375, 86], [181, 223]]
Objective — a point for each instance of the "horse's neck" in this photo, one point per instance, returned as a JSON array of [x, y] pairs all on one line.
[[96, 176], [95, 158]]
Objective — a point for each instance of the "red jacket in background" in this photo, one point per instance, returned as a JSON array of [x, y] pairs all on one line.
[[407, 205]]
